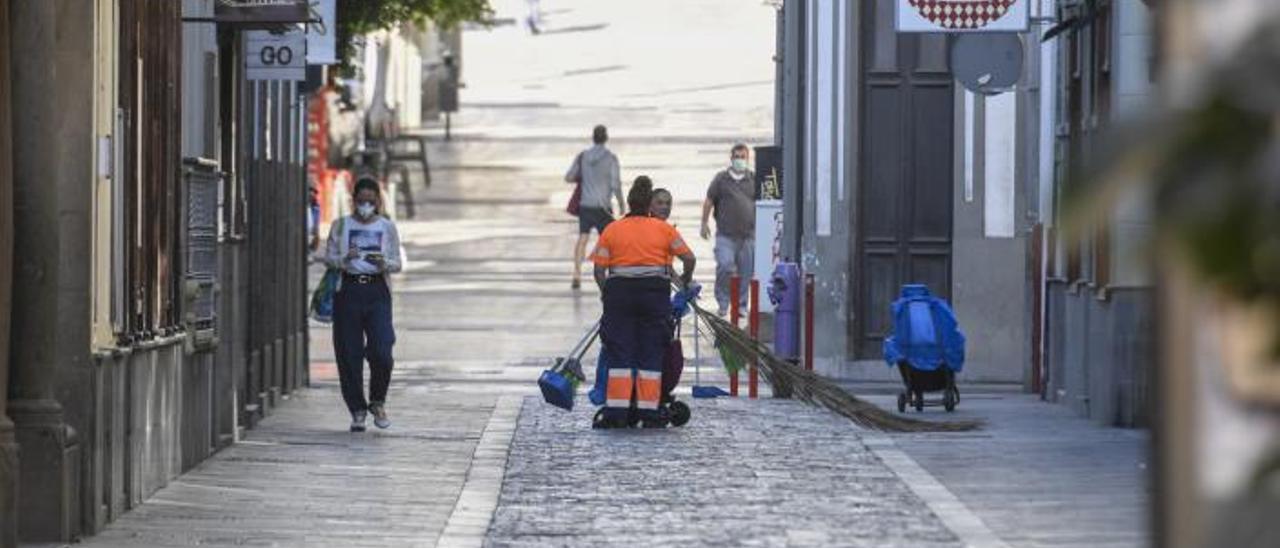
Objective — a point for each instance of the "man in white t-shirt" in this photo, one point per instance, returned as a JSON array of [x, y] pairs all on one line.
[[365, 246]]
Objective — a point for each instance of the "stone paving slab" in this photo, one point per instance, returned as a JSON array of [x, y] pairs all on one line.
[[764, 473], [300, 479], [1037, 474]]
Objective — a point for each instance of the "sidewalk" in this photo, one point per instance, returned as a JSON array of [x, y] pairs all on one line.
[[756, 473], [1037, 475], [300, 479]]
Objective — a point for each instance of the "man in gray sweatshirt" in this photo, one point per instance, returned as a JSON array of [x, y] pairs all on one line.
[[596, 171]]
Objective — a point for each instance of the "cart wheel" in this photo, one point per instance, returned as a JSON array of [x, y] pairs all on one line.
[[680, 413], [919, 397], [949, 399], [902, 402], [598, 422]]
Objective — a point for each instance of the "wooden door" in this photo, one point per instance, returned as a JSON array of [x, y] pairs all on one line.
[[904, 200]]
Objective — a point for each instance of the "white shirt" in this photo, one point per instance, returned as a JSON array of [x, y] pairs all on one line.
[[379, 235]]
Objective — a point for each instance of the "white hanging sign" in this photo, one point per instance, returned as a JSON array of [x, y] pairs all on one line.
[[275, 56]]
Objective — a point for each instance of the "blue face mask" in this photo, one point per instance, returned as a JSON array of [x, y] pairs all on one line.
[[739, 164]]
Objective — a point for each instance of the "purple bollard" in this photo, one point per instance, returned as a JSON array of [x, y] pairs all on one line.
[[784, 292]]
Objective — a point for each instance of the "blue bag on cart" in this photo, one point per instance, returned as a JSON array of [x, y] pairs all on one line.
[[597, 392], [926, 334]]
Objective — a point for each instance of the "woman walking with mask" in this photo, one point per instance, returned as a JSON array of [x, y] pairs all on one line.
[[366, 248]]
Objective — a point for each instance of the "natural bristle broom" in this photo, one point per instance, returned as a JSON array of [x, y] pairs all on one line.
[[737, 350]]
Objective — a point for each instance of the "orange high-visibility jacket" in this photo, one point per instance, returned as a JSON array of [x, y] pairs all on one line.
[[636, 246]]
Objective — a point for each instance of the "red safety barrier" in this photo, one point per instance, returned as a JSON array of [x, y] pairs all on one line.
[[808, 322], [734, 284], [753, 325]]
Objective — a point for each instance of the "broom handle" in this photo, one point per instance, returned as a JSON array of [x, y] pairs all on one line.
[[697, 365], [585, 342], [595, 333]]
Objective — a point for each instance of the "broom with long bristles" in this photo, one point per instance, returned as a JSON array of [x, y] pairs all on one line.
[[789, 380]]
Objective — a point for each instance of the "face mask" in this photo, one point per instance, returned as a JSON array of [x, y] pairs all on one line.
[[739, 164], [365, 209]]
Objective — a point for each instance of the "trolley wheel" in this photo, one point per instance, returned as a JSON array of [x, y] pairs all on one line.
[[950, 398], [680, 413], [902, 402], [919, 401], [598, 422]]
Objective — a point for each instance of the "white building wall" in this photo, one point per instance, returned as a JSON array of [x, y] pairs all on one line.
[[831, 109], [198, 41], [1132, 66]]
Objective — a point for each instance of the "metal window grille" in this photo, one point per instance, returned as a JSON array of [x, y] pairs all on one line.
[[201, 182]]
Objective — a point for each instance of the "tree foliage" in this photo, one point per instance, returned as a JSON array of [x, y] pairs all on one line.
[[357, 17]]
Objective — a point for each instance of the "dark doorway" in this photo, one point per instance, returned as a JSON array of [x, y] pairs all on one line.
[[905, 186]]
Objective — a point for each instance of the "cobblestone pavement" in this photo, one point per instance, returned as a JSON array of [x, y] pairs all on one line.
[[766, 473]]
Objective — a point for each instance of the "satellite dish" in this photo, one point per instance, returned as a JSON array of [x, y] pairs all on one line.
[[987, 63]]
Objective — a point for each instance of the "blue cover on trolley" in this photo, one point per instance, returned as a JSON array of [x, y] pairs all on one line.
[[926, 334]]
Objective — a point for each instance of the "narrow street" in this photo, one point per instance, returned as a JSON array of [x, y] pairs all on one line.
[[475, 458]]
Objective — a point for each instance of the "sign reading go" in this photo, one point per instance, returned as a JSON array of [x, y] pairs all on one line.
[[275, 56], [962, 15]]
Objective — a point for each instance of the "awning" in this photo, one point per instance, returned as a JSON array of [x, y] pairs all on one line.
[[257, 14]]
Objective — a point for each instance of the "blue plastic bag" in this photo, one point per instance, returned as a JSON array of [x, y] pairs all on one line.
[[926, 333], [597, 392]]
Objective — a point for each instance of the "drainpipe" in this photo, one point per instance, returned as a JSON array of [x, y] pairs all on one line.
[[8, 444], [792, 142]]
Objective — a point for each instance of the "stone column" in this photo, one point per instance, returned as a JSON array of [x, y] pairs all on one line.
[[48, 472], [8, 444]]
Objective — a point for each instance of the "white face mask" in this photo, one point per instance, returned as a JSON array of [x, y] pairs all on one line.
[[739, 164], [365, 210]]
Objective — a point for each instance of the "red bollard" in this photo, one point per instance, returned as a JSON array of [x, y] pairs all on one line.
[[753, 325], [734, 284], [808, 322]]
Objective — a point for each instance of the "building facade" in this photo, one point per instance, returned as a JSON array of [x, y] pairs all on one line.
[[897, 174], [1098, 332], [160, 219]]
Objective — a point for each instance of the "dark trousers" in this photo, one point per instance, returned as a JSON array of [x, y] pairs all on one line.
[[635, 330], [362, 330]]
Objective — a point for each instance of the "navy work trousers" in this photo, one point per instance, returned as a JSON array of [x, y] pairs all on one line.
[[635, 330], [362, 330]]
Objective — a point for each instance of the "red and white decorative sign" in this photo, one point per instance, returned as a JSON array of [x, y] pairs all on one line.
[[962, 15]]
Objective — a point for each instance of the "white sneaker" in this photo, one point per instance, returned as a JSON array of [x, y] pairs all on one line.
[[380, 416], [357, 421]]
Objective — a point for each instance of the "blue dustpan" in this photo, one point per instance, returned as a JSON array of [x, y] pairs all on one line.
[[559, 383], [703, 392]]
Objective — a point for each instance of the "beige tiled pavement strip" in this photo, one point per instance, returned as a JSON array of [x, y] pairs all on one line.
[[476, 504], [951, 510]]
